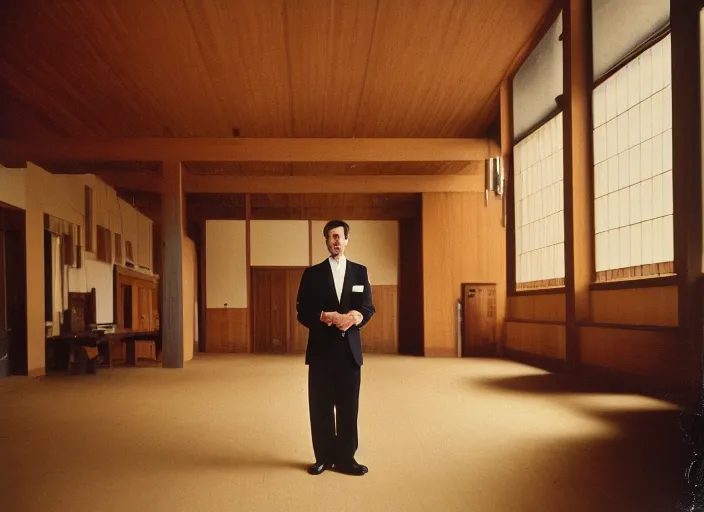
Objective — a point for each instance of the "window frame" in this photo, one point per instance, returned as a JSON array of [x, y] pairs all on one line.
[[648, 281]]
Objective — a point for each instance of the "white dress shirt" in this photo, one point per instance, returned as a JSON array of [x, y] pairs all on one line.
[[338, 273]]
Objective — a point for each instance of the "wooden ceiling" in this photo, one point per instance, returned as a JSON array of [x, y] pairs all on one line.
[[282, 68]]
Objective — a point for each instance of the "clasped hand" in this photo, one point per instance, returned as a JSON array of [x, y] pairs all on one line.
[[342, 321]]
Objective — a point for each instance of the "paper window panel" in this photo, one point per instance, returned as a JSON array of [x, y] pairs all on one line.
[[633, 161], [636, 209], [646, 199], [658, 210], [633, 72], [601, 214], [614, 210], [601, 178], [667, 108], [668, 242], [612, 138], [611, 99], [612, 166], [561, 227], [599, 105], [602, 251], [646, 159], [657, 67], [636, 245], [624, 170], [646, 74], [667, 150], [540, 199], [658, 237], [614, 246], [667, 198], [657, 155], [634, 126], [622, 127], [658, 110], [647, 242], [624, 205], [560, 261], [646, 119], [624, 251], [634, 165], [621, 93], [667, 61]]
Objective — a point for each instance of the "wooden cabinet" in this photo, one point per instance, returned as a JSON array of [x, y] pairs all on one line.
[[479, 319], [137, 306]]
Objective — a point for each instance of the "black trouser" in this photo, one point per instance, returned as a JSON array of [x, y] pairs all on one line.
[[333, 393]]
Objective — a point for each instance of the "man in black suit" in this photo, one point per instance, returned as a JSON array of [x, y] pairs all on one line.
[[334, 302]]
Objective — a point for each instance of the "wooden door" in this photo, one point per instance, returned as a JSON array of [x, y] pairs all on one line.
[[275, 327], [479, 319], [298, 334], [270, 330], [145, 309]]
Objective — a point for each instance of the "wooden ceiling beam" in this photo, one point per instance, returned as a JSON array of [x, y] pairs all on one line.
[[325, 184], [250, 149]]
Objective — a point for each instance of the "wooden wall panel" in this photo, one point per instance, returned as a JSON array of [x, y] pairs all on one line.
[[228, 330], [380, 335], [547, 340], [637, 306], [463, 242], [550, 307], [659, 356]]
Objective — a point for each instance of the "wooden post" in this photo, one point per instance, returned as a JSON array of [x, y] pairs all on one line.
[[172, 267], [578, 165], [687, 168], [507, 156]]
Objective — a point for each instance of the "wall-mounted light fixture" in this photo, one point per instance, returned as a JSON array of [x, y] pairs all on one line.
[[495, 181]]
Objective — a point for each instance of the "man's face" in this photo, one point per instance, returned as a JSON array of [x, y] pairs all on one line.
[[336, 241]]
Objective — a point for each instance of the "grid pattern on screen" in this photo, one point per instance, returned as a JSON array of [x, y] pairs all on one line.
[[633, 202], [539, 205]]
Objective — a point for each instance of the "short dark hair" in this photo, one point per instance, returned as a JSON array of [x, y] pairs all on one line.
[[336, 224]]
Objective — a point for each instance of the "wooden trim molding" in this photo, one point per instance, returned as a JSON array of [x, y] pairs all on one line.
[[558, 282], [123, 271], [643, 282], [251, 149], [558, 290], [637, 272], [538, 322], [629, 327]]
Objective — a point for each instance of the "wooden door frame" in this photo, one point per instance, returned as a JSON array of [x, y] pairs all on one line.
[[252, 268]]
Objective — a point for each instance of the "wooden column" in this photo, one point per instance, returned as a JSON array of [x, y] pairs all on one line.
[[172, 266], [248, 263], [687, 164], [507, 156], [578, 170]]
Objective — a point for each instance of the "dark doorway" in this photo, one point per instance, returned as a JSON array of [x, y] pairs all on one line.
[[13, 293]]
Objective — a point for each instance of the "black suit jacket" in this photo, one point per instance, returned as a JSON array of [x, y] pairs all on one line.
[[316, 294]]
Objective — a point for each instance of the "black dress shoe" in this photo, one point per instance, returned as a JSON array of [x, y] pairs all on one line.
[[352, 468], [318, 467]]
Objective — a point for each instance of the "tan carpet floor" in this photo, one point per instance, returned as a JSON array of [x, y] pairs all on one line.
[[231, 433]]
